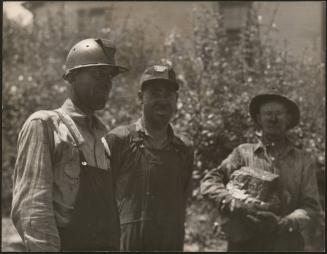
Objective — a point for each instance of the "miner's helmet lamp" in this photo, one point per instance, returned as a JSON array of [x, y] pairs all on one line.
[[92, 52]]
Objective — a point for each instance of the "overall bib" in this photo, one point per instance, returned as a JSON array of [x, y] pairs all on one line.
[[94, 223], [152, 202]]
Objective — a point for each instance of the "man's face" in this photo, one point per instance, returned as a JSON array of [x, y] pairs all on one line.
[[92, 86], [273, 118], [159, 102]]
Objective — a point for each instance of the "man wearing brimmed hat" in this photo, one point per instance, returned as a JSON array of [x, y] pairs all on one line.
[[152, 168], [63, 190], [265, 229]]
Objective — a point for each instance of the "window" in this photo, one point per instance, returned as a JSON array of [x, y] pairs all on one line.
[[235, 14], [93, 17], [96, 16], [96, 12], [236, 17]]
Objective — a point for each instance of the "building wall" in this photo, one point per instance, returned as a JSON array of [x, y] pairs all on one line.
[[297, 25], [70, 10], [163, 16]]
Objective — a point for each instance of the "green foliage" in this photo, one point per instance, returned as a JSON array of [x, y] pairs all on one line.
[[217, 78]]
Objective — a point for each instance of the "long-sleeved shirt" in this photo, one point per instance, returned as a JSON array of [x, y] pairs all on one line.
[[46, 174], [297, 188], [152, 185]]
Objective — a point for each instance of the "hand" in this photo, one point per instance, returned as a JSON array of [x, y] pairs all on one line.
[[268, 221], [231, 205], [268, 217], [288, 225], [225, 205], [251, 207], [234, 206]]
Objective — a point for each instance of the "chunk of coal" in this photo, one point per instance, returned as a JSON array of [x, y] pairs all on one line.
[[253, 183]]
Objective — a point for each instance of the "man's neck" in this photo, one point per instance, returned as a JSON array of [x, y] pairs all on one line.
[[158, 132], [82, 108], [274, 142]]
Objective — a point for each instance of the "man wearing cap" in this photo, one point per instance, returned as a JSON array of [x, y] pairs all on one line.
[[296, 188], [63, 190], [152, 168]]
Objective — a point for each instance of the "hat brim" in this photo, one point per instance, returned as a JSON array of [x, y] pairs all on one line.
[[175, 85], [292, 107], [116, 68]]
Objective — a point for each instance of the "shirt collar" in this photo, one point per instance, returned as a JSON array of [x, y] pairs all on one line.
[[78, 115], [140, 127], [171, 136], [72, 110], [260, 146]]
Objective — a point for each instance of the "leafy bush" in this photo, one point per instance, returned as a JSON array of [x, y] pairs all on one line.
[[33, 63], [219, 79], [217, 82]]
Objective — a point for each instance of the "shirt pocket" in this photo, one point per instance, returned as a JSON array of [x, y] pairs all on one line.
[[72, 171], [71, 166]]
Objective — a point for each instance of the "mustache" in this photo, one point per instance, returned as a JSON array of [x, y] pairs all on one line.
[[162, 106], [274, 122]]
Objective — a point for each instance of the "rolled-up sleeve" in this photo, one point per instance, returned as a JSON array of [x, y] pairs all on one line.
[[32, 206], [213, 185]]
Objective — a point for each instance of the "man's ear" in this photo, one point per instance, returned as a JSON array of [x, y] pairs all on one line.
[[257, 121], [70, 78], [288, 118], [140, 95]]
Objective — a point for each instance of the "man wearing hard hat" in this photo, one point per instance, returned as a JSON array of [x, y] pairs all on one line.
[[258, 226], [63, 192]]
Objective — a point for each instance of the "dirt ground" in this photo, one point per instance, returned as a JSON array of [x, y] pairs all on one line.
[[11, 241]]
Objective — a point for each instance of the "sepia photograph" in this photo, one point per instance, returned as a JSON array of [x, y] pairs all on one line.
[[184, 126]]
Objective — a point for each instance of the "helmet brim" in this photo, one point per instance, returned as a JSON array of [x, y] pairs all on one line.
[[116, 68]]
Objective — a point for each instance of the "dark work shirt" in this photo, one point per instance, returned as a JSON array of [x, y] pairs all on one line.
[[152, 183]]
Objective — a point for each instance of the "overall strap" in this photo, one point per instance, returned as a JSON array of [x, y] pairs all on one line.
[[136, 141], [134, 137], [132, 131], [106, 146], [71, 126]]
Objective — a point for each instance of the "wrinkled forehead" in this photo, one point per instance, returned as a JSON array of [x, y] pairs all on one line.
[[273, 105]]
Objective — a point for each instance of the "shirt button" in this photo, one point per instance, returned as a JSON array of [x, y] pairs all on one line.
[[273, 158], [290, 230]]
